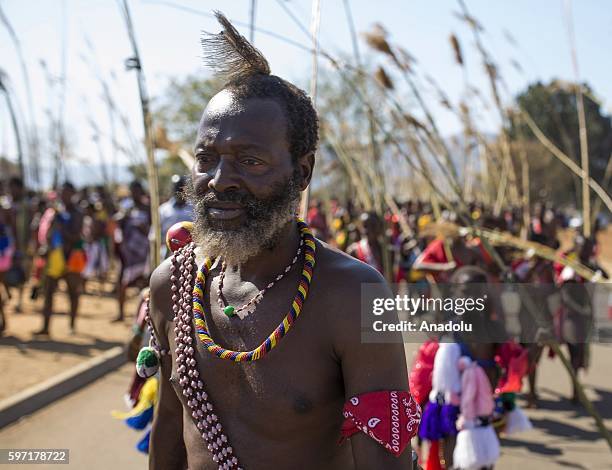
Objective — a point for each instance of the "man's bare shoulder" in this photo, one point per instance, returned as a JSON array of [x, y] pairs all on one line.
[[345, 271], [340, 279]]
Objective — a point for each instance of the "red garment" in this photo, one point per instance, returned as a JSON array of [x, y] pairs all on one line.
[[421, 373], [391, 418], [316, 221], [513, 359], [435, 253], [482, 251], [364, 253], [558, 270], [433, 458]]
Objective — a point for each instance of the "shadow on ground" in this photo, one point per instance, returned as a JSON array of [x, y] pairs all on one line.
[[535, 447], [48, 344], [603, 402]]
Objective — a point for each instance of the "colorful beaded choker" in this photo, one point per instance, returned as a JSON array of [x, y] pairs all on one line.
[[281, 330]]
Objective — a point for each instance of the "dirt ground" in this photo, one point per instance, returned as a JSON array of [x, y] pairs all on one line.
[[26, 360]]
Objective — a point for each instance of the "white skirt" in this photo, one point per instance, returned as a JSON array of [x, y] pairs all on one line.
[[475, 448]]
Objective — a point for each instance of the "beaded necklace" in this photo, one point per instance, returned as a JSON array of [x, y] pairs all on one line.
[[281, 330], [191, 383], [251, 305]]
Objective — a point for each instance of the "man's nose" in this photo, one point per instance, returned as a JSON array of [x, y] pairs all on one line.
[[225, 178]]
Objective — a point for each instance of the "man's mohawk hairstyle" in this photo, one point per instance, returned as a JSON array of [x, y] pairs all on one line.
[[230, 55], [246, 74]]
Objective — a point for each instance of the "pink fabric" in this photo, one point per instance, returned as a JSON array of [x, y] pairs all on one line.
[[45, 224], [476, 393], [142, 312], [6, 258]]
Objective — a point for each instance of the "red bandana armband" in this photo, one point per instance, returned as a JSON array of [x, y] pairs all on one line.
[[391, 418]]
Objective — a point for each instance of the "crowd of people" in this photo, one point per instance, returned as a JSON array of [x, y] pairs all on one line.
[[77, 235], [246, 271]]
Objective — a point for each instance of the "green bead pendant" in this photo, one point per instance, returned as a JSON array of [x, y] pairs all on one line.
[[229, 311]]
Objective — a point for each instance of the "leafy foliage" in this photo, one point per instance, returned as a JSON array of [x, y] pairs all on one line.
[[169, 166], [553, 108], [180, 109]]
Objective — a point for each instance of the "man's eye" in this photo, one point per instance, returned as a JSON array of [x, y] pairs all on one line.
[[250, 161]]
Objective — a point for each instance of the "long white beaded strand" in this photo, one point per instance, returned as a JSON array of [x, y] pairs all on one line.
[[189, 378]]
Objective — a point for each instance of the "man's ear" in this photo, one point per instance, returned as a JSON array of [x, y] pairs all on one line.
[[306, 165]]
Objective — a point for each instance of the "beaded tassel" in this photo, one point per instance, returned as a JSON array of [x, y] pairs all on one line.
[[147, 361]]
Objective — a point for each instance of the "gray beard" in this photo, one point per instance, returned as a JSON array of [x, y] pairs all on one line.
[[236, 247], [261, 230]]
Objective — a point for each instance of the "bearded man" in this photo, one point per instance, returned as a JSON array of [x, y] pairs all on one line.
[[227, 401]]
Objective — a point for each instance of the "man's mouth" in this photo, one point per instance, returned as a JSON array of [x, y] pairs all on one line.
[[225, 211]]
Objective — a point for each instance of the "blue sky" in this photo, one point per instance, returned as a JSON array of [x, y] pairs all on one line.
[[169, 43]]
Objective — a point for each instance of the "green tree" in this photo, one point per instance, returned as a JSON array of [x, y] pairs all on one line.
[[180, 108], [553, 108], [171, 165]]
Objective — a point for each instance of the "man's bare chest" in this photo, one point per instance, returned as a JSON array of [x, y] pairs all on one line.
[[296, 382]]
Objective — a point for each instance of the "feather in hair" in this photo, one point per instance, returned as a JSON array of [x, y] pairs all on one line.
[[230, 55]]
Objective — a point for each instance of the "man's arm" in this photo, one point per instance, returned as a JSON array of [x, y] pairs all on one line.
[[166, 447], [368, 367]]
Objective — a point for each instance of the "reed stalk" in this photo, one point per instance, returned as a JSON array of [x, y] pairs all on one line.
[[605, 182], [4, 89], [315, 22], [32, 129], [582, 130], [136, 64]]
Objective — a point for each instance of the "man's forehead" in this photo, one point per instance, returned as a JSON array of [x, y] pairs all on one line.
[[227, 105], [224, 103]]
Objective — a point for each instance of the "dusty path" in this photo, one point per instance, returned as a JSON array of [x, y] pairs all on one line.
[[26, 360], [82, 423]]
